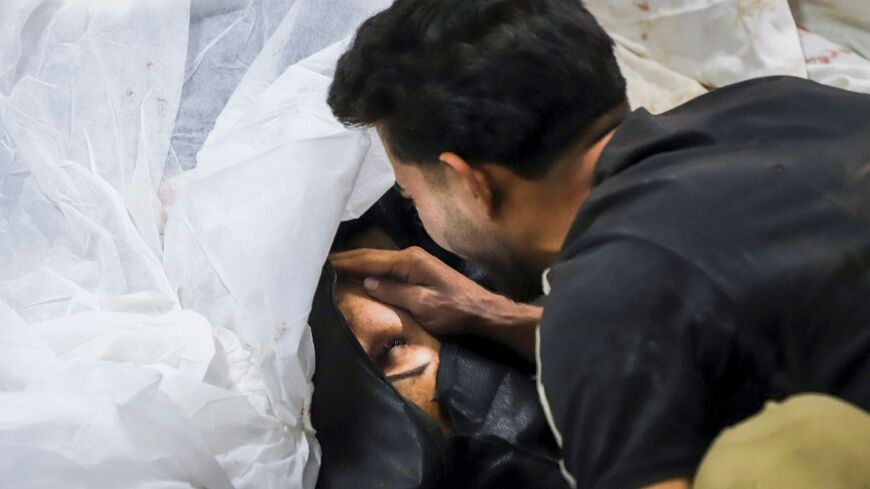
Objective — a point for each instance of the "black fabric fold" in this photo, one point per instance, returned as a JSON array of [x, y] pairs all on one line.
[[502, 438], [369, 435]]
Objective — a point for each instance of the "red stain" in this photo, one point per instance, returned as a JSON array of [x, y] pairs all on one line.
[[826, 58], [281, 331], [644, 36], [643, 6]]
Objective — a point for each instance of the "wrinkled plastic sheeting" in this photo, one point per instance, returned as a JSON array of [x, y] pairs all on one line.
[[104, 380], [91, 401], [254, 41], [126, 400], [299, 36], [249, 229], [92, 344], [226, 36], [87, 102]]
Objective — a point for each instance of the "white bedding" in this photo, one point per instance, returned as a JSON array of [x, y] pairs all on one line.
[[170, 182]]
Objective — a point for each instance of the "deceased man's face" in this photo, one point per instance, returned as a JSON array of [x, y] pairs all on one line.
[[398, 345]]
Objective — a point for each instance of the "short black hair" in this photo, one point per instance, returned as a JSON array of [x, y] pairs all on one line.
[[510, 82]]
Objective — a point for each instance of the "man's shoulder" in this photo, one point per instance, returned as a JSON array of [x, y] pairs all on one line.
[[777, 107], [603, 268], [713, 172], [768, 90]]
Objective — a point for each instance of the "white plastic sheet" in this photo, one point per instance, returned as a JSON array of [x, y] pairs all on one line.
[[87, 99], [226, 36], [272, 190], [108, 378]]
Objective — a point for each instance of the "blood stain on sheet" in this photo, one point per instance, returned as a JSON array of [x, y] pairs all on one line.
[[281, 330], [827, 57], [644, 36], [643, 6]]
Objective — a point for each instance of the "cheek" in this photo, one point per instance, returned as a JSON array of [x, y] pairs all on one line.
[[420, 390], [432, 216]]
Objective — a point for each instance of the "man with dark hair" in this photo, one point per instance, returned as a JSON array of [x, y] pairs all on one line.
[[697, 264], [493, 82]]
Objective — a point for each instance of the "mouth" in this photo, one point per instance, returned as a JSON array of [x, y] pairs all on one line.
[[414, 372]]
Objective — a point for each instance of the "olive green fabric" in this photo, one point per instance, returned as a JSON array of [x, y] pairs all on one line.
[[809, 441]]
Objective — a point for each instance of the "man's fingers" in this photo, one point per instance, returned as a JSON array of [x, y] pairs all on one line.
[[409, 265], [366, 262], [406, 296], [352, 253]]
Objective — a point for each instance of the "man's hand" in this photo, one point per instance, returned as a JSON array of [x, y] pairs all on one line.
[[441, 299]]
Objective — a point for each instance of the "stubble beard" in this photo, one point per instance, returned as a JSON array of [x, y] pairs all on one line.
[[508, 271]]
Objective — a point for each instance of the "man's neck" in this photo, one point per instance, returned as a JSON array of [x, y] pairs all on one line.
[[554, 203]]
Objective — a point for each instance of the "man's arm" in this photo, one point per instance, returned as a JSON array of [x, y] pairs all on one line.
[[441, 299]]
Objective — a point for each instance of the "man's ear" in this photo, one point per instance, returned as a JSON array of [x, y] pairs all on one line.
[[477, 182]]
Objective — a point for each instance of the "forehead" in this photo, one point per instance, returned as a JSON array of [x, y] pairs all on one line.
[[360, 310]]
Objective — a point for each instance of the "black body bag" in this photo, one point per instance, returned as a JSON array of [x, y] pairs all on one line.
[[369, 435], [373, 438]]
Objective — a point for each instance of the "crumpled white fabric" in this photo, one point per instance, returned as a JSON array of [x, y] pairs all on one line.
[[108, 376], [271, 189], [715, 42], [225, 38], [87, 107], [652, 86], [833, 64], [674, 50], [845, 23]]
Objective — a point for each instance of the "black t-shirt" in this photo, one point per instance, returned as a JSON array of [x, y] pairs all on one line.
[[722, 259]]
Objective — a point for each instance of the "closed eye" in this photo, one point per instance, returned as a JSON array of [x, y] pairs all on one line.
[[382, 359], [390, 359], [409, 373]]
